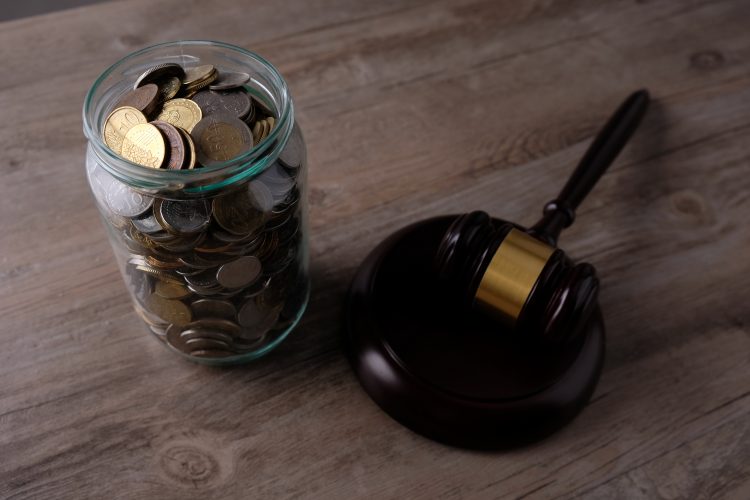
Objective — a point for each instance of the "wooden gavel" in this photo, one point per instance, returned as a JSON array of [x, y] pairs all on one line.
[[519, 276]]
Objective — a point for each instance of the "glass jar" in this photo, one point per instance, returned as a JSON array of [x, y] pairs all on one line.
[[215, 258]]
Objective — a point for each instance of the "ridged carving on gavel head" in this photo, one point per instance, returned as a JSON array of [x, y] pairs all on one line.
[[530, 287]]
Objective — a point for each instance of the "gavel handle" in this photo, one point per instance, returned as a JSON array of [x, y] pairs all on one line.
[[560, 212]]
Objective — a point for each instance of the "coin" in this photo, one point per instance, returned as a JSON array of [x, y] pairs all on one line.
[[168, 88], [146, 223], [176, 143], [144, 99], [260, 105], [211, 308], [198, 74], [212, 353], [250, 314], [185, 216], [236, 103], [221, 137], [239, 273], [159, 72], [171, 311], [144, 145], [182, 113], [117, 125], [125, 201], [262, 129], [229, 80], [212, 324], [293, 153], [190, 156], [236, 213], [260, 196], [171, 290]]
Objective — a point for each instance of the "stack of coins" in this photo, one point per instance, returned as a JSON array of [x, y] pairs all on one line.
[[212, 277]]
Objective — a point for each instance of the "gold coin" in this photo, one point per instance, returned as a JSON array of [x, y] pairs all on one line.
[[144, 145], [190, 152], [117, 125], [169, 88], [171, 311], [182, 113], [171, 290], [198, 74]]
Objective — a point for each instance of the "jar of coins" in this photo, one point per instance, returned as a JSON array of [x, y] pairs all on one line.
[[199, 172]]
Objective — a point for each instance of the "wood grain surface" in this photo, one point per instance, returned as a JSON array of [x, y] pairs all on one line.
[[410, 109]]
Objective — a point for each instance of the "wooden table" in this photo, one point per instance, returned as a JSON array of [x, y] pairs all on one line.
[[410, 109]]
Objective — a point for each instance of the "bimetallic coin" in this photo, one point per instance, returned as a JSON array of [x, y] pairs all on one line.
[[185, 216], [176, 143], [221, 137], [168, 88], [239, 273], [236, 103], [117, 125], [159, 72], [170, 290], [211, 308], [171, 311], [144, 145], [294, 151], [182, 113], [125, 201], [229, 80], [144, 99]]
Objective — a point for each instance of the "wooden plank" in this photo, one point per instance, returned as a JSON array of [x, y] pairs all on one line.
[[410, 109]]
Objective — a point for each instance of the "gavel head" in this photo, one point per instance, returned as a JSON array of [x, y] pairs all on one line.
[[530, 287]]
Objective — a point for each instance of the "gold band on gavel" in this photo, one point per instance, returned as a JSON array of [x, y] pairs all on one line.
[[511, 275]]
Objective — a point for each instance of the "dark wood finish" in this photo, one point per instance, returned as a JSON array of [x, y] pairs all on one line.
[[614, 135], [459, 378], [410, 109]]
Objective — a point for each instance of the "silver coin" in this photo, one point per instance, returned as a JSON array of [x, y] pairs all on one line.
[[229, 80], [240, 272], [147, 223], [101, 182], [210, 308], [261, 328], [294, 151], [205, 279], [215, 324], [159, 72], [235, 102], [199, 333], [186, 216], [261, 196], [125, 201]]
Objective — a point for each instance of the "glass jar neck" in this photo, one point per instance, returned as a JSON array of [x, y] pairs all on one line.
[[265, 85]]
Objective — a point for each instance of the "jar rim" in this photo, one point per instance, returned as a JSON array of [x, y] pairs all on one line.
[[249, 163]]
